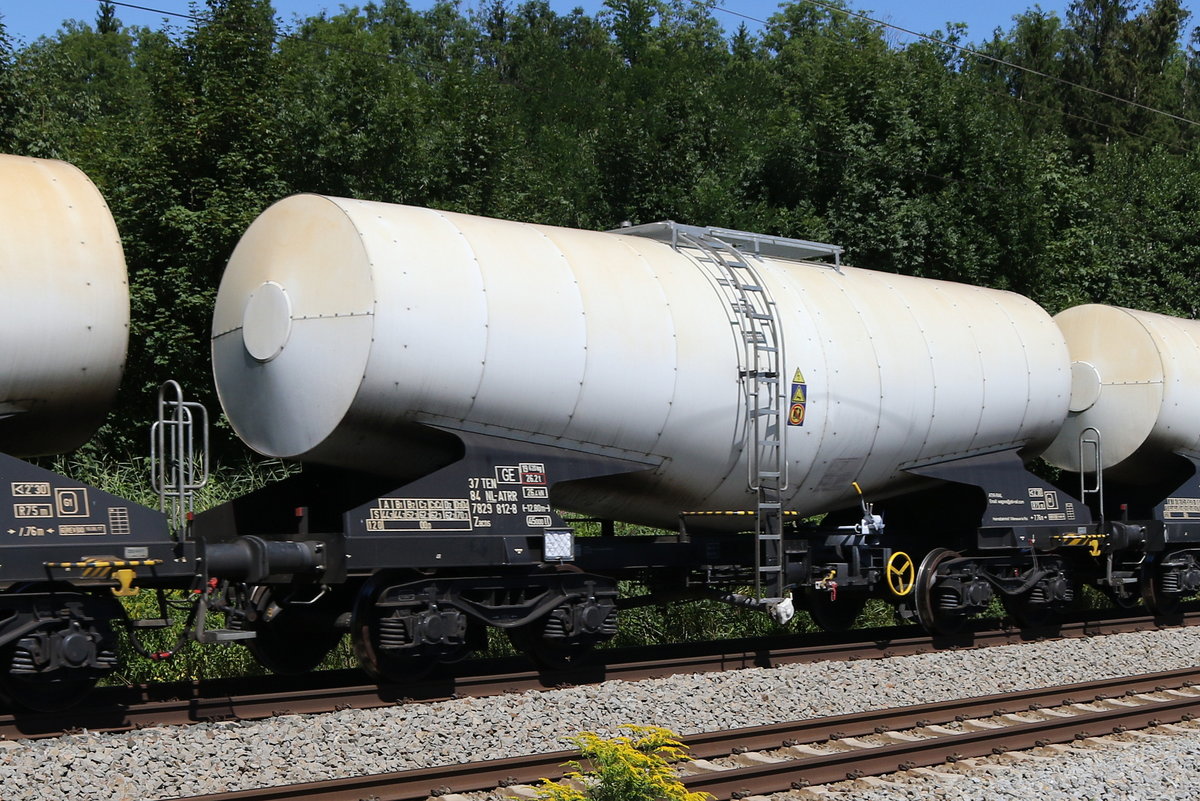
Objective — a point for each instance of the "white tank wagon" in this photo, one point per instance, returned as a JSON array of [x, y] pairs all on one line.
[[1135, 379], [340, 323], [64, 309], [638, 374]]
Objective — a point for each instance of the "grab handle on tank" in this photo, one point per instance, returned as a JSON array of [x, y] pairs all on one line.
[[1097, 487], [179, 454]]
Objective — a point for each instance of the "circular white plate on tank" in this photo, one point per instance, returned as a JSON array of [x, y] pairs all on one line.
[[1085, 386], [267, 321]]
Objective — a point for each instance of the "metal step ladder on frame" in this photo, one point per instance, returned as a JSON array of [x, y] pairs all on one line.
[[177, 471], [1119, 574], [761, 364], [179, 460]]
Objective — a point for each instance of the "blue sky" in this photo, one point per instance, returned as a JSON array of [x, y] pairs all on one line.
[[28, 19]]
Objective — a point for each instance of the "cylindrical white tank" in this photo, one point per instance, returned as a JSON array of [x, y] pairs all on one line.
[[1135, 378], [64, 307], [339, 323]]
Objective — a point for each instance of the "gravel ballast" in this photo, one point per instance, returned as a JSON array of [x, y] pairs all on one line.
[[219, 757], [1159, 765]]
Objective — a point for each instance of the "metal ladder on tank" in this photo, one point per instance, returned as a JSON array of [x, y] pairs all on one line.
[[760, 371], [725, 255]]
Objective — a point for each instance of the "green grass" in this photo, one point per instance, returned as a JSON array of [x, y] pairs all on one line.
[[131, 478]]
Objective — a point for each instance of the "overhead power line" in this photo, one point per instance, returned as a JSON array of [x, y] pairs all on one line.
[[151, 10], [819, 3], [972, 52], [431, 67], [390, 57]]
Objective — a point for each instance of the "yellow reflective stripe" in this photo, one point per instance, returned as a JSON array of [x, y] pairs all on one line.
[[133, 563]]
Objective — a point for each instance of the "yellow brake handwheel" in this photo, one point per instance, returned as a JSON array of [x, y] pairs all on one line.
[[901, 574]]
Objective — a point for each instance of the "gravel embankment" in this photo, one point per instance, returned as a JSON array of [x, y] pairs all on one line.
[[1135, 766], [210, 758]]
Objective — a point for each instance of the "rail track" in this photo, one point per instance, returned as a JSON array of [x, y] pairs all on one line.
[[768, 759], [125, 708]]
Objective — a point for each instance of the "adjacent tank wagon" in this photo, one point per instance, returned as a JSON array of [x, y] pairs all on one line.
[[64, 311], [68, 551]]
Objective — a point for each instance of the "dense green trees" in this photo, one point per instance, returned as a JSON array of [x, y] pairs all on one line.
[[1060, 163]]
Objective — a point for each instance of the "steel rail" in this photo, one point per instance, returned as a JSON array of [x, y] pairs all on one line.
[[255, 698], [419, 785], [852, 764]]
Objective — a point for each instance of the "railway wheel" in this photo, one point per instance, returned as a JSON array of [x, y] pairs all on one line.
[[1028, 612], [550, 653], [1122, 597], [67, 644], [291, 638], [1039, 606], [40, 694], [1162, 604], [400, 632], [566, 637], [1166, 582], [931, 602], [834, 615]]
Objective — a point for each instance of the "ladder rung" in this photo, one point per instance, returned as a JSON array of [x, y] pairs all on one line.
[[769, 505], [765, 411], [765, 348], [770, 474], [758, 316]]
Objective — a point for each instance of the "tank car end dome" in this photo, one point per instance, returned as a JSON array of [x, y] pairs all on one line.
[[64, 308], [1135, 379], [293, 326]]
